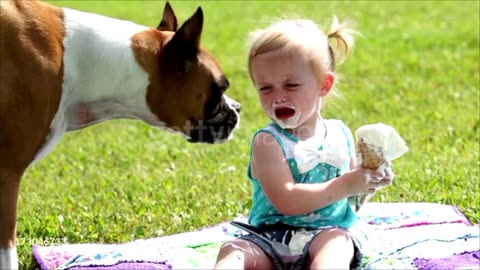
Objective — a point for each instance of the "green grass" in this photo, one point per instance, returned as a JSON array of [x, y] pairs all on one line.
[[417, 68]]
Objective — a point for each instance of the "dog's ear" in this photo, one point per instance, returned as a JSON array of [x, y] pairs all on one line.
[[188, 36], [169, 20], [185, 44]]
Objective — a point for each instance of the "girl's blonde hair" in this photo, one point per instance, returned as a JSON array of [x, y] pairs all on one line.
[[305, 38]]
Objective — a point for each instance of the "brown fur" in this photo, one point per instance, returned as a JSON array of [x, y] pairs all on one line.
[[26, 109], [207, 71], [185, 92]]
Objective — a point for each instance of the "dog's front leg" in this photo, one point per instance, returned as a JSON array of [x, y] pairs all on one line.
[[9, 185]]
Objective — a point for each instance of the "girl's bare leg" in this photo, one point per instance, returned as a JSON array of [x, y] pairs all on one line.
[[242, 254], [331, 249]]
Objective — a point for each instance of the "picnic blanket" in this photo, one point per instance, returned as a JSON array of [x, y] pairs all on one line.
[[400, 236]]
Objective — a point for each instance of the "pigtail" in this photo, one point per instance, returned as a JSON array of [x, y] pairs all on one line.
[[343, 34]]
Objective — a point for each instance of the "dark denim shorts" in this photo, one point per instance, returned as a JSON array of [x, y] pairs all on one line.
[[283, 233]]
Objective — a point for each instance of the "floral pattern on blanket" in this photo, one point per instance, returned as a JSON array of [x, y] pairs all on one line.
[[398, 233], [80, 255]]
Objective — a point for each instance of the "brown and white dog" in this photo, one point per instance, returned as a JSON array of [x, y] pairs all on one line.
[[63, 70]]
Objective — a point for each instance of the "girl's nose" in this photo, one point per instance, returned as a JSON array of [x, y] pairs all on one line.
[[279, 96]]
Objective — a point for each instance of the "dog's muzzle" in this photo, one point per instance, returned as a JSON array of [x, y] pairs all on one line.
[[219, 128]]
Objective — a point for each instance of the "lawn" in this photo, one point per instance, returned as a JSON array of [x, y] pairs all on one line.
[[416, 68]]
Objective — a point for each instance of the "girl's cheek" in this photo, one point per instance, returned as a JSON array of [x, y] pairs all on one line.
[[264, 101]]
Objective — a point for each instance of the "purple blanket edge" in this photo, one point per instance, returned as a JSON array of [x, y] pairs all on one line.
[[120, 266], [460, 213], [38, 258], [456, 260]]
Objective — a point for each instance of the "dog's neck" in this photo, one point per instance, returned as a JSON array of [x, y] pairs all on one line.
[[102, 79], [99, 62], [100, 68]]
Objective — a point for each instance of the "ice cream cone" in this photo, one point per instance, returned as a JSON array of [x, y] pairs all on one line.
[[376, 144], [372, 156]]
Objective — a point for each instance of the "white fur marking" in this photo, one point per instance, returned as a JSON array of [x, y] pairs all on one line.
[[8, 258], [99, 66], [232, 104]]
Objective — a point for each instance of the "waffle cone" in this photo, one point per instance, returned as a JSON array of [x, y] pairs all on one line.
[[372, 157]]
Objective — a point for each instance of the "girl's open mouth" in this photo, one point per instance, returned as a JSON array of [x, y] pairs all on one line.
[[284, 113]]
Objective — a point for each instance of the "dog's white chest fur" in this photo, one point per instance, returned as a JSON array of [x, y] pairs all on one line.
[[101, 76]]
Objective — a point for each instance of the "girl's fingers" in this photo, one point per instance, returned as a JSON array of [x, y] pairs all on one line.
[[377, 176], [372, 185], [389, 173], [385, 183]]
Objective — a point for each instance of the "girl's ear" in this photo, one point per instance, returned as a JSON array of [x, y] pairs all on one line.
[[328, 81]]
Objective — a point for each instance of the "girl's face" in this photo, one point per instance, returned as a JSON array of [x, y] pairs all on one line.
[[288, 89]]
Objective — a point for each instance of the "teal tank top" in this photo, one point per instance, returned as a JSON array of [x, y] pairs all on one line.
[[310, 162]]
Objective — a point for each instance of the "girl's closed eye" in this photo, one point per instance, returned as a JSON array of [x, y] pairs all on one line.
[[292, 86], [265, 88]]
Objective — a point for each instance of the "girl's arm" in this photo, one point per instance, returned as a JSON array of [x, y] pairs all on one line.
[[270, 167]]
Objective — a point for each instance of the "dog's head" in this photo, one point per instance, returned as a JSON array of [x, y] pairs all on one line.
[[187, 90]]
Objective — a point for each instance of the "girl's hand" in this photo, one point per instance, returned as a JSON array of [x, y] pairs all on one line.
[[389, 175], [361, 180]]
